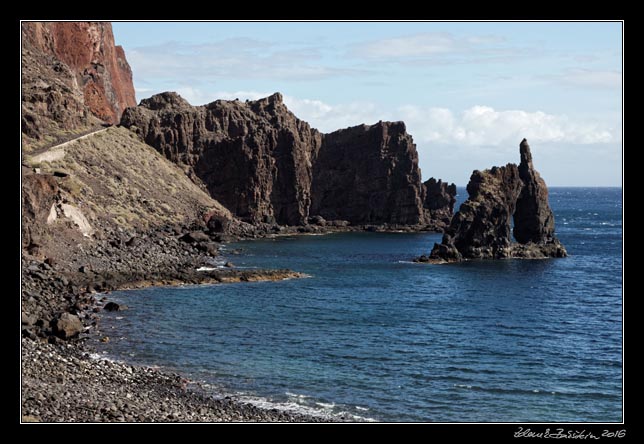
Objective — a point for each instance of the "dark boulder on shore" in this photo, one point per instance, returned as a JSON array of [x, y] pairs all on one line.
[[67, 326], [482, 228], [195, 236]]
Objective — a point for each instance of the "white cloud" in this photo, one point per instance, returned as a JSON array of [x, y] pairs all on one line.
[[327, 118], [474, 127], [410, 46], [440, 48], [485, 126], [236, 58], [593, 79]]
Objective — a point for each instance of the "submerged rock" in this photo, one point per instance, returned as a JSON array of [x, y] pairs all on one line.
[[482, 228]]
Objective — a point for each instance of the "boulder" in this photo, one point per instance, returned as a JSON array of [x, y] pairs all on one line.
[[317, 220], [67, 326], [195, 236], [113, 306]]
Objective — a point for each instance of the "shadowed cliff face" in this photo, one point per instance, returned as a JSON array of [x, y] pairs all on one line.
[[481, 229], [439, 201], [533, 219], [368, 174], [254, 157], [72, 71], [266, 165]]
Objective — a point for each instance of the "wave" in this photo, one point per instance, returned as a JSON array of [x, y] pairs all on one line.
[[304, 405]]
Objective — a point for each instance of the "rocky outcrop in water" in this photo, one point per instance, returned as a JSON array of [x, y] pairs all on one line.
[[71, 72], [266, 165], [498, 198], [439, 201], [368, 175]]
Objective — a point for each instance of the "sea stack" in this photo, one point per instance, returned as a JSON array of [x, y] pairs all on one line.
[[482, 228]]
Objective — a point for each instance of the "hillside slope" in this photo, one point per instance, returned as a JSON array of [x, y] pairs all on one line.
[[102, 186]]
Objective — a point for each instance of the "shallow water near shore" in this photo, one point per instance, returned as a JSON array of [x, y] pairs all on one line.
[[373, 335]]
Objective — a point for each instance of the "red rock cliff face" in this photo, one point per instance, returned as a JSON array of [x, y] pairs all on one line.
[[100, 68]]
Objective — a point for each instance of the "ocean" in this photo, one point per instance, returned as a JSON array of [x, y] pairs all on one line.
[[374, 336]]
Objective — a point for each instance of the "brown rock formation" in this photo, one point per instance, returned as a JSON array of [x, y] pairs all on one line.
[[39, 194], [254, 157], [68, 69], [266, 165], [368, 175], [533, 219], [481, 229], [439, 201]]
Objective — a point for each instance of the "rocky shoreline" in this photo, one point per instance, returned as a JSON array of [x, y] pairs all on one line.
[[62, 381]]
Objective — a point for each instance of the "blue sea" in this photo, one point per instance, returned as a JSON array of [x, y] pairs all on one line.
[[372, 335]]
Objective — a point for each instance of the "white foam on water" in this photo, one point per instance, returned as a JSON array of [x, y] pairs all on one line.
[[295, 405], [326, 405], [296, 395], [207, 268], [102, 357]]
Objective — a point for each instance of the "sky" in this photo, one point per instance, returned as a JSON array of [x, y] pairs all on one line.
[[469, 92]]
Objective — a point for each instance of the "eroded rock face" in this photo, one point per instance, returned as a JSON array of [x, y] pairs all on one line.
[[266, 165], [254, 157], [69, 71], [439, 201], [368, 175], [482, 228], [39, 195], [533, 219]]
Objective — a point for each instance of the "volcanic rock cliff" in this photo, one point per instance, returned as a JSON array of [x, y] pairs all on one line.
[[266, 165], [71, 73], [367, 175], [439, 201], [482, 228], [254, 157]]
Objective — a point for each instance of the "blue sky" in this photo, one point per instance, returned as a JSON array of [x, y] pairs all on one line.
[[468, 92]]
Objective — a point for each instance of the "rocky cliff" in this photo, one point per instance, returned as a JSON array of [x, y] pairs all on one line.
[[368, 175], [72, 72], [439, 200], [254, 157], [266, 165], [498, 198]]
